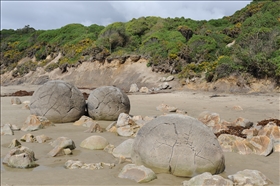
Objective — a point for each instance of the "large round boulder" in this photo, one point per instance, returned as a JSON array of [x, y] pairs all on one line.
[[58, 101], [107, 102], [178, 144]]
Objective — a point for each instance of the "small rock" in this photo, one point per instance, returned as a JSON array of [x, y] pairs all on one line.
[[6, 129], [14, 143], [29, 138], [165, 108], [163, 79], [164, 86], [134, 88], [123, 120], [94, 143], [20, 157], [139, 174], [113, 124], [109, 148], [135, 58], [169, 78], [124, 149], [82, 120], [144, 90], [60, 144], [67, 151], [15, 101], [237, 108], [42, 138], [15, 128], [26, 105], [243, 122], [206, 179], [33, 123], [249, 177], [209, 119], [125, 131], [94, 127]]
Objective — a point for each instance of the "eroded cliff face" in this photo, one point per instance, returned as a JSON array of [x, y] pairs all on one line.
[[93, 74]]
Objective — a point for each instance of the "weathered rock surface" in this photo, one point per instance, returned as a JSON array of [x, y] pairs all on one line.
[[140, 174], [84, 120], [107, 102], [34, 122], [207, 179], [124, 149], [14, 143], [20, 157], [58, 101], [60, 144], [72, 164], [260, 145], [94, 142], [28, 138], [249, 177], [15, 101], [178, 144], [134, 88], [6, 129]]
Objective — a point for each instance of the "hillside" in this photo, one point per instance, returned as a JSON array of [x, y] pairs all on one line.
[[246, 44]]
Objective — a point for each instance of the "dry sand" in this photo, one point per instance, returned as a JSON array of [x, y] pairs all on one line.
[[256, 107]]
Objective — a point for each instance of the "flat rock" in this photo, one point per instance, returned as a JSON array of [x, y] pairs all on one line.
[[94, 142], [140, 174], [207, 179], [249, 177]]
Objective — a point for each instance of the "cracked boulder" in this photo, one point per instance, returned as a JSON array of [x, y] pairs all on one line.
[[178, 144], [107, 102], [59, 101]]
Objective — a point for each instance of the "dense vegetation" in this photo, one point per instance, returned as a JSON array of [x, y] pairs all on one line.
[[176, 45]]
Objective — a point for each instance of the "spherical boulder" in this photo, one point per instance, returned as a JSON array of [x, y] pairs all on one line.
[[178, 144], [107, 102], [58, 101]]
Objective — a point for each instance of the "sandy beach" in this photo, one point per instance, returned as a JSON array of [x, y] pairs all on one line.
[[51, 171]]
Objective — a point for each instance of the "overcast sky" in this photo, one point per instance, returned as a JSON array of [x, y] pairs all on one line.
[[45, 15]]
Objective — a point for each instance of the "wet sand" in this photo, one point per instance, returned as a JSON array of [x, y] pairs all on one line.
[[256, 107]]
